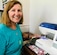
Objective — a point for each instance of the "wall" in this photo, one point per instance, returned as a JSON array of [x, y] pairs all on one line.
[[42, 11], [36, 10], [1, 8], [26, 12]]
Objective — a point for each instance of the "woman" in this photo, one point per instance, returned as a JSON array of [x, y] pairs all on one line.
[[10, 33]]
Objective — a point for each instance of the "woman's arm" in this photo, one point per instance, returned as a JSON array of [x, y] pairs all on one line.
[[2, 44]]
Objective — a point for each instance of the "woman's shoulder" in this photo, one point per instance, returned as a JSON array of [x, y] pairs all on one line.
[[2, 27]]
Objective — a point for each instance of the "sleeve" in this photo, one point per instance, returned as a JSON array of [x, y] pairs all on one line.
[[2, 44]]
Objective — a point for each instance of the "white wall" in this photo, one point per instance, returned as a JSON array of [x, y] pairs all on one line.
[[42, 11], [36, 12], [50, 14], [26, 10], [1, 8]]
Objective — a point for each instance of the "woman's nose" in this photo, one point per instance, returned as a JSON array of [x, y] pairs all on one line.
[[16, 13]]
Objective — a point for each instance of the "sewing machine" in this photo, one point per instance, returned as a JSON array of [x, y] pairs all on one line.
[[48, 42]]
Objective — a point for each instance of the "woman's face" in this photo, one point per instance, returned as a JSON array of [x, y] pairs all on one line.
[[15, 13]]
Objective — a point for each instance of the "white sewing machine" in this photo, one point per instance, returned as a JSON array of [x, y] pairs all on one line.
[[48, 44]]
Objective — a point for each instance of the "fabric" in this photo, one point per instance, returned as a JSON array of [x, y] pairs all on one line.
[[10, 40]]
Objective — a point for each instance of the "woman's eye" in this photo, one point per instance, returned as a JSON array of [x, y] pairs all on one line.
[[19, 10]]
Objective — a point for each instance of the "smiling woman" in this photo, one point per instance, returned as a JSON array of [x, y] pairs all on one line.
[[15, 13], [11, 42]]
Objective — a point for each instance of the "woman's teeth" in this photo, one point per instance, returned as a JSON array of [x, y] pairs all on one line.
[[16, 17]]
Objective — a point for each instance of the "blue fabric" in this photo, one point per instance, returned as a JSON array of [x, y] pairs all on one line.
[[49, 25], [10, 40]]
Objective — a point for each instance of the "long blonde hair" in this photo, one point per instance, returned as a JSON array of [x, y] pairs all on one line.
[[5, 17]]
